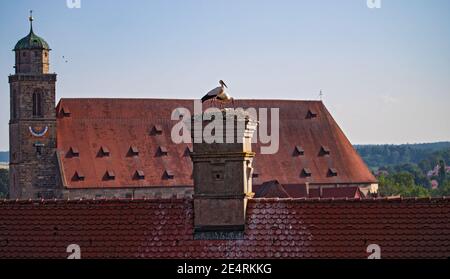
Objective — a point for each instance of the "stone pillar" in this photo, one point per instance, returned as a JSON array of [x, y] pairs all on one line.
[[222, 175]]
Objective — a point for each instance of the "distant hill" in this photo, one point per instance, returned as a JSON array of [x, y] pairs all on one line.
[[377, 156], [4, 156], [436, 146]]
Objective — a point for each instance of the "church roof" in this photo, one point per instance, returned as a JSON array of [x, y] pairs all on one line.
[[31, 41], [275, 228], [119, 124]]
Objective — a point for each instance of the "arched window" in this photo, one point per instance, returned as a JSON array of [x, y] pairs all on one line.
[[37, 104], [14, 105]]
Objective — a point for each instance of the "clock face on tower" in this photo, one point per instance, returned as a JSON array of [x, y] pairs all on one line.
[[38, 132]]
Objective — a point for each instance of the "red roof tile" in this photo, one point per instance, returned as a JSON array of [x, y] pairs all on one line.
[[117, 124], [403, 228]]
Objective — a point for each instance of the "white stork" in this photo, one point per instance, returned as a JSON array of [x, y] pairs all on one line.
[[218, 93]]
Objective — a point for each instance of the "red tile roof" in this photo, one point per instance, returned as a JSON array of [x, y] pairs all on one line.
[[403, 228], [117, 124], [271, 189]]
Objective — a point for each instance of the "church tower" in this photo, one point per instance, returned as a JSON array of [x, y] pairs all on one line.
[[32, 126]]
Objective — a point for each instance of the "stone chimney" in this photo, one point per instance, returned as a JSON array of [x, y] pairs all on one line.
[[222, 175]]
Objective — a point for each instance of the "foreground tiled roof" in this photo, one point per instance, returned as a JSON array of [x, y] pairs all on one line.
[[137, 136], [410, 228]]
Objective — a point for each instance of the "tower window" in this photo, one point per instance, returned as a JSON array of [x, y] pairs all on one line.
[[37, 104], [14, 105], [39, 148]]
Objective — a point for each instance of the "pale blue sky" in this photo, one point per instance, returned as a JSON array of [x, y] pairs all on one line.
[[384, 72]]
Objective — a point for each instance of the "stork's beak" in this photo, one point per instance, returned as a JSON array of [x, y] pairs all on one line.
[[223, 83]]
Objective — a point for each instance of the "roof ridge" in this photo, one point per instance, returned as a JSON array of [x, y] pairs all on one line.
[[87, 201], [255, 200], [177, 99], [362, 200]]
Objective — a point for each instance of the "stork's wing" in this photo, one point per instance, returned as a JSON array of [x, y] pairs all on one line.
[[216, 91], [212, 94]]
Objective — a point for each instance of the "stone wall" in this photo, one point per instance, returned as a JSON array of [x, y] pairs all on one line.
[[127, 193]]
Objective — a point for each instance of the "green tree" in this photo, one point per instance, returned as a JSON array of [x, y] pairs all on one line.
[[4, 183], [444, 189], [401, 184]]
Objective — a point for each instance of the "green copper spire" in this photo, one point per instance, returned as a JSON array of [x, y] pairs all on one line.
[[31, 41]]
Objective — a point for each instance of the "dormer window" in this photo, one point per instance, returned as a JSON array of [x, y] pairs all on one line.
[[104, 151], [299, 151], [134, 151], [74, 152], [79, 176], [65, 112], [139, 174], [110, 175], [157, 130], [169, 174], [311, 114], [306, 172], [332, 172], [325, 150], [162, 151], [187, 151]]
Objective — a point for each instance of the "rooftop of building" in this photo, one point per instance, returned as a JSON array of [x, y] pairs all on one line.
[[127, 136], [275, 228]]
